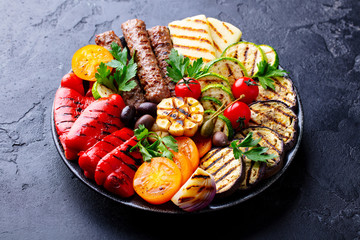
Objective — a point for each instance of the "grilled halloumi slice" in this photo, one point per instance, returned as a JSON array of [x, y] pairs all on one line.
[[274, 143], [223, 34], [277, 116], [284, 91], [227, 171], [191, 37], [179, 116]]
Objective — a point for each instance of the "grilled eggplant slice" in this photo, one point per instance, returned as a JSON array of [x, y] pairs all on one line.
[[212, 78], [228, 67], [254, 172], [228, 172], [284, 91], [271, 140], [277, 116]]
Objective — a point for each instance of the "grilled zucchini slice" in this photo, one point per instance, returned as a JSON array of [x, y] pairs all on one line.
[[277, 116], [271, 140], [222, 124], [227, 171], [212, 78], [228, 67], [218, 91], [249, 54], [99, 91], [210, 103], [270, 54], [284, 91]]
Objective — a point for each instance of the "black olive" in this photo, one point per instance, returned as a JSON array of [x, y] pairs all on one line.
[[147, 120], [219, 139], [147, 108], [127, 115]]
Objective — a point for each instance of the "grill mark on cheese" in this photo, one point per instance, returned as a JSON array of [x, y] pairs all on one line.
[[217, 32], [198, 21], [232, 33], [188, 28], [194, 48], [217, 47], [200, 39]]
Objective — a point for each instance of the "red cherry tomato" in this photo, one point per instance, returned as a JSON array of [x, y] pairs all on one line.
[[188, 87], [239, 115], [246, 86]]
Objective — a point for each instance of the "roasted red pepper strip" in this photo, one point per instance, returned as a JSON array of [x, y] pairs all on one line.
[[116, 170], [98, 120], [68, 105], [89, 159], [72, 81]]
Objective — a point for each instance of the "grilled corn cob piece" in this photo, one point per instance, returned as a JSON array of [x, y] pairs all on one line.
[[179, 116]]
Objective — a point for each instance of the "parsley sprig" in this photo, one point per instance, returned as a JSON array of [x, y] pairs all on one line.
[[256, 153], [266, 73], [160, 148], [180, 66], [124, 71]]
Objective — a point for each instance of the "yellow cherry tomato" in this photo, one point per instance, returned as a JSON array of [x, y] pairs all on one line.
[[87, 59]]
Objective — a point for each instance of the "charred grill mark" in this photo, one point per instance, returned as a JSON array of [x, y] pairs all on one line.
[[200, 176], [80, 134], [270, 118], [229, 69], [232, 33], [90, 117], [191, 38], [245, 53], [224, 176], [105, 133], [215, 161], [224, 164], [213, 153], [131, 166], [107, 142], [64, 106], [268, 142], [65, 121], [136, 160], [185, 199], [86, 125], [188, 28], [118, 137], [217, 32], [217, 47], [194, 48], [254, 65]]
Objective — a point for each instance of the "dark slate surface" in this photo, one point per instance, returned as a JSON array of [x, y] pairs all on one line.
[[318, 198]]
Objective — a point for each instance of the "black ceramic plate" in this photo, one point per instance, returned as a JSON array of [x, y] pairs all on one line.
[[136, 202]]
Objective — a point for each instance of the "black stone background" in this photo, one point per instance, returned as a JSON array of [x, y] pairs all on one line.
[[318, 198]]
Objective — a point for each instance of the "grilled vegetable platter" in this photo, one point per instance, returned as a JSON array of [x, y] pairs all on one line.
[[181, 118]]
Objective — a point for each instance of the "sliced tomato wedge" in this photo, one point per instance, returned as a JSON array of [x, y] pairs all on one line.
[[87, 59]]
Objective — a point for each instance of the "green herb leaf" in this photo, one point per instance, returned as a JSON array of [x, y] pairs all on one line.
[[103, 76], [180, 67], [265, 74], [255, 153], [160, 148]]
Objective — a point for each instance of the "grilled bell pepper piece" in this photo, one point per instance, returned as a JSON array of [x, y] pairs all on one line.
[[89, 159], [72, 81], [116, 170], [98, 120], [68, 106]]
